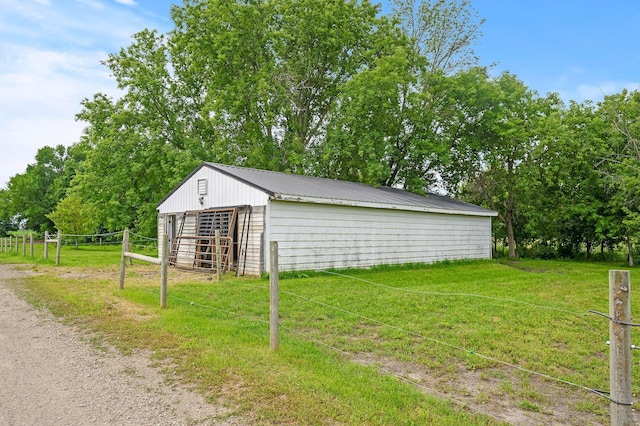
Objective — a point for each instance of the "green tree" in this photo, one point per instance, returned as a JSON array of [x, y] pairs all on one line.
[[251, 83], [74, 216], [622, 166], [129, 168], [35, 193], [512, 125], [7, 220], [329, 88], [444, 32], [275, 70], [390, 126], [572, 186]]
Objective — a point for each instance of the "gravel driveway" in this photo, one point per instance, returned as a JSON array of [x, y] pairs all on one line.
[[51, 374]]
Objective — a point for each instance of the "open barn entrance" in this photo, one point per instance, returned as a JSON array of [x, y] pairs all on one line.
[[194, 245]]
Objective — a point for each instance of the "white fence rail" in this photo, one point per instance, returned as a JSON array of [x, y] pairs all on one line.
[[163, 261]]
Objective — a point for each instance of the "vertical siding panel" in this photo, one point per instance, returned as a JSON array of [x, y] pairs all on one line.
[[161, 230], [316, 236]]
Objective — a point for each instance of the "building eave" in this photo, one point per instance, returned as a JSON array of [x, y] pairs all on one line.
[[386, 206]]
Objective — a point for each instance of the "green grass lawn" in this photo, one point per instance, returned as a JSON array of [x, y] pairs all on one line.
[[364, 347]]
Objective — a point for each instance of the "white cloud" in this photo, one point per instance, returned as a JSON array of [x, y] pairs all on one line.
[[39, 100], [127, 2], [49, 61]]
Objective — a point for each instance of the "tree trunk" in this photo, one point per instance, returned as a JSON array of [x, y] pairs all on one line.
[[511, 238], [630, 249], [509, 211]]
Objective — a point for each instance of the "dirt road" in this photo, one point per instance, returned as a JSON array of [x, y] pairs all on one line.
[[52, 374]]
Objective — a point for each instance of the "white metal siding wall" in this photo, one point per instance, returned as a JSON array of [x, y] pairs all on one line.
[[222, 191], [316, 236]]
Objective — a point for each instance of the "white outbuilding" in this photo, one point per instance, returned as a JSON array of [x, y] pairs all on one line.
[[318, 223]]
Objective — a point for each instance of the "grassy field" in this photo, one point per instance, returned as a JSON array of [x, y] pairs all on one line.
[[434, 344]]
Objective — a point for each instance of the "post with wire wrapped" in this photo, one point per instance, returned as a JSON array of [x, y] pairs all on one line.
[[620, 348]]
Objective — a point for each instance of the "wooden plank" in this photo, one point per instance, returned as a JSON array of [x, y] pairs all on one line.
[[164, 263], [142, 257], [274, 316]]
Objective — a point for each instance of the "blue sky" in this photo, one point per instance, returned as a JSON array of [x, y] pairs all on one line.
[[50, 53]]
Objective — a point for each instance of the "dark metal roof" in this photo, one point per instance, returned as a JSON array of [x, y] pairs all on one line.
[[331, 191]]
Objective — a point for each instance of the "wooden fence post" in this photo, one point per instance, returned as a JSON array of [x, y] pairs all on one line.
[[164, 263], [123, 258], [10, 243], [24, 244], [129, 245], [218, 252], [46, 245], [273, 296], [620, 348], [31, 244], [58, 247]]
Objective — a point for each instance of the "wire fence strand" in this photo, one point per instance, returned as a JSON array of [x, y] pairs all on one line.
[[436, 293], [401, 329]]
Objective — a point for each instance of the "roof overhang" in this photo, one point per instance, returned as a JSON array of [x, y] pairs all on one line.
[[385, 206]]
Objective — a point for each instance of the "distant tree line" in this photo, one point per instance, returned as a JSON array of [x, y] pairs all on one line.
[[335, 89]]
